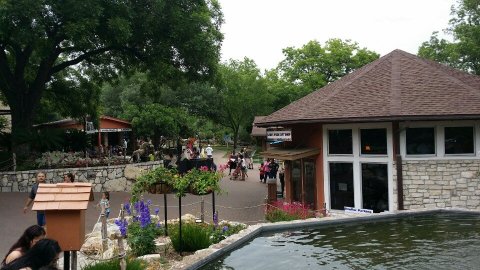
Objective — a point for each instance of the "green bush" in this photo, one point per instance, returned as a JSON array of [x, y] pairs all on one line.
[[114, 264], [142, 240], [194, 237]]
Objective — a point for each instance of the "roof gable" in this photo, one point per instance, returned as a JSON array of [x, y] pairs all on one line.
[[399, 85], [63, 196]]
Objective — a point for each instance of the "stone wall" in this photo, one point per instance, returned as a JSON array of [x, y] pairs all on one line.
[[441, 184], [108, 178]]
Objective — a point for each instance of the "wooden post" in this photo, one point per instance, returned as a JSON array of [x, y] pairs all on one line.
[[121, 249], [272, 192], [104, 232]]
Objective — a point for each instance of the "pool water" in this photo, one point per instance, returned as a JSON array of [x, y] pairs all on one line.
[[440, 241]]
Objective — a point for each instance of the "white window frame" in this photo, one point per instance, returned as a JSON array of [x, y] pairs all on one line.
[[439, 127], [357, 159]]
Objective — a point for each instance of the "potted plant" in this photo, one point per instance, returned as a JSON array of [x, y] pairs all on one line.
[[158, 180], [204, 181]]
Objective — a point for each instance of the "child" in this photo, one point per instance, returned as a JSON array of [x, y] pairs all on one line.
[[105, 203], [262, 172]]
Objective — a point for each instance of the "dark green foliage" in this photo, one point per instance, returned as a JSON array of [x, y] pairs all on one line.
[[141, 240], [194, 237], [114, 264]]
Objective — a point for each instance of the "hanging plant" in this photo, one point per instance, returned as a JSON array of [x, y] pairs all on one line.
[[204, 181], [158, 180]]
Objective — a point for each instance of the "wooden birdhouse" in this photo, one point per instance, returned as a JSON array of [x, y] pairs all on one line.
[[64, 205]]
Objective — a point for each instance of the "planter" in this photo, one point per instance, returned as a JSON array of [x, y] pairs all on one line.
[[204, 192], [160, 188]]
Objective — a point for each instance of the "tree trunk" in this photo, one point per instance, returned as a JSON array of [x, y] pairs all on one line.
[[22, 119]]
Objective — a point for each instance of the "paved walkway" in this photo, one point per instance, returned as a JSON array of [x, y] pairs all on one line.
[[242, 201]]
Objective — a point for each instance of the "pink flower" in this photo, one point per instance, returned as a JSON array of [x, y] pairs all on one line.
[[204, 168]]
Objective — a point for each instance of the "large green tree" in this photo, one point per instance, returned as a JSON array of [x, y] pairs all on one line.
[[313, 66], [179, 39], [464, 51], [243, 95]]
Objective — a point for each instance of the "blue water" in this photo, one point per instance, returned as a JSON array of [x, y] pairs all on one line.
[[442, 241]]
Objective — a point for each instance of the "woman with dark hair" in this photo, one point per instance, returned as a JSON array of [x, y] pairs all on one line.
[[68, 178], [28, 239], [44, 253]]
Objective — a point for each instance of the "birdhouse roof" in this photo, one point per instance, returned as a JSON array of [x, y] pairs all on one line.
[[63, 196]]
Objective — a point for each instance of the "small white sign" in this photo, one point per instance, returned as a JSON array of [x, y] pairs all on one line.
[[279, 135], [357, 210]]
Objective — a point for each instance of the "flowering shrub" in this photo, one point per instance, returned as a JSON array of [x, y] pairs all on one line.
[[282, 211], [142, 230], [58, 159]]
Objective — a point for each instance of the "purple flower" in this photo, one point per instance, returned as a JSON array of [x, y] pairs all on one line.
[[224, 229], [127, 208], [149, 202], [159, 225], [157, 210], [122, 225]]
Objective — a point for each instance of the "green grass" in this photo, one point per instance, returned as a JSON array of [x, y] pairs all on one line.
[[114, 264]]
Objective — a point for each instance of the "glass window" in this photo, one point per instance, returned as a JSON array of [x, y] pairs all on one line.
[[340, 142], [373, 141], [459, 140], [420, 141]]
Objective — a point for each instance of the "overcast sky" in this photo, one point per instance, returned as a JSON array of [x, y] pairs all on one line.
[[260, 29]]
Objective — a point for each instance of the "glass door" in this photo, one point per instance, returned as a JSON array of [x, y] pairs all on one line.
[[341, 185], [375, 187], [310, 187], [296, 181]]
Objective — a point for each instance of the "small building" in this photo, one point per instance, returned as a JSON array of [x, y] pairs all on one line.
[[64, 205], [399, 133], [112, 130]]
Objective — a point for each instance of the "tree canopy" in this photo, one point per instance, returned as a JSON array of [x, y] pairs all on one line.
[[313, 66], [464, 51], [40, 39]]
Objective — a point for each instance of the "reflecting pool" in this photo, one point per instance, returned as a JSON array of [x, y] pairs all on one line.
[[436, 241]]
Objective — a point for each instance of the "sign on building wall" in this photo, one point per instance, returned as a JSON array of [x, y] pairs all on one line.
[[279, 135]]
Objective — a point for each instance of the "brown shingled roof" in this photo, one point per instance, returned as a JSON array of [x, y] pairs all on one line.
[[398, 86], [63, 196]]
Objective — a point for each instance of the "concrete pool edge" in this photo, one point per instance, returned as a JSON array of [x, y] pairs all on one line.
[[205, 256]]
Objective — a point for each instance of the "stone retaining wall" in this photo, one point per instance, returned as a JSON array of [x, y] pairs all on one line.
[[108, 178], [441, 184]]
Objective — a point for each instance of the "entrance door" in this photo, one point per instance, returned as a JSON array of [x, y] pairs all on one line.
[[296, 181], [310, 187], [341, 185], [375, 187]]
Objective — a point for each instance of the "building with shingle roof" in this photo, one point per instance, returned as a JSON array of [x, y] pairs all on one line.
[[401, 132]]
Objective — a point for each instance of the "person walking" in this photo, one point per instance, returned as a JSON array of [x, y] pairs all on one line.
[[33, 192], [281, 176], [29, 238], [209, 151], [105, 204]]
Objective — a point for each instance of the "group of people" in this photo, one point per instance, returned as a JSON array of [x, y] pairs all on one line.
[[240, 164], [269, 169], [32, 251]]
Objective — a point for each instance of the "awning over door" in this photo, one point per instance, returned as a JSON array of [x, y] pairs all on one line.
[[290, 154]]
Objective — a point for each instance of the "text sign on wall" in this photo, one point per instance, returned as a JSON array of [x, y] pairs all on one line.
[[357, 210], [279, 135]]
